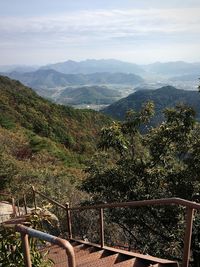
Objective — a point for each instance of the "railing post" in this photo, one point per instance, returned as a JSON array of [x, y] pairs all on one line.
[[19, 213], [34, 198], [27, 231], [101, 221], [69, 226], [25, 206], [14, 207], [26, 249], [188, 235]]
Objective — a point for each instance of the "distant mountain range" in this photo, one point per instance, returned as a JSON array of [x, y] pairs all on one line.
[[18, 68], [111, 65], [164, 97], [92, 65], [173, 68], [54, 80], [76, 89], [44, 79]]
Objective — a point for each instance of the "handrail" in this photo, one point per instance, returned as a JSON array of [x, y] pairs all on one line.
[[142, 203], [189, 205], [48, 198], [66, 207], [26, 231]]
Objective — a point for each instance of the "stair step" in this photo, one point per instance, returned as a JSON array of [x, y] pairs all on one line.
[[58, 255], [124, 261], [81, 251], [89, 258], [91, 255], [106, 260]]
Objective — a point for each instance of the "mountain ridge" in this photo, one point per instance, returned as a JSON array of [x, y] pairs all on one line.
[[51, 78], [112, 65], [94, 65], [164, 97]]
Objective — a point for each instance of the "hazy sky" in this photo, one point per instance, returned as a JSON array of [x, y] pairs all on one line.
[[141, 31]]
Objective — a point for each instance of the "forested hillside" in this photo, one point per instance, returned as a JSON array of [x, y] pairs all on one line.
[[164, 97], [21, 106], [47, 145], [41, 141], [88, 95]]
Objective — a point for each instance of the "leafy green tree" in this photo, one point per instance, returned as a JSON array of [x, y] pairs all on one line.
[[12, 250], [157, 164]]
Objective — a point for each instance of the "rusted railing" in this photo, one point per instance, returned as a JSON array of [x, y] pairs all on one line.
[[26, 231], [46, 197], [190, 207], [64, 207]]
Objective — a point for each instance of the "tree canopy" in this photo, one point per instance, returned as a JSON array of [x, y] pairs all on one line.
[[164, 162]]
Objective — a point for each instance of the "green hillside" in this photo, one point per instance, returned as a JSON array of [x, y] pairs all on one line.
[[164, 97], [88, 95], [40, 140], [20, 105]]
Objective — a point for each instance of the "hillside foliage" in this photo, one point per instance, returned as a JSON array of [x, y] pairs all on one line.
[[162, 163], [42, 143], [164, 97], [88, 95], [47, 145]]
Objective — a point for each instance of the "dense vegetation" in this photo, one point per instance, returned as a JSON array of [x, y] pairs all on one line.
[[46, 145], [19, 105], [164, 97], [162, 163], [42, 143], [11, 245], [88, 95]]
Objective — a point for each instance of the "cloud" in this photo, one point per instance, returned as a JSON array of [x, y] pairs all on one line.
[[105, 24], [125, 28]]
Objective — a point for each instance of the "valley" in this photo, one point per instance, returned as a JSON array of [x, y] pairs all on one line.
[[95, 84]]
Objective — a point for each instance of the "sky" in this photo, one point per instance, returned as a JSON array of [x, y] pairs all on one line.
[[40, 32]]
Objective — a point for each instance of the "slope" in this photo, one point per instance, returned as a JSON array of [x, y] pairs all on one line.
[[163, 97], [49, 78], [42, 143], [88, 95], [20, 105]]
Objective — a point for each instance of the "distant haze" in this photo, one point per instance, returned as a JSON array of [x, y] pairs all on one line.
[[41, 32]]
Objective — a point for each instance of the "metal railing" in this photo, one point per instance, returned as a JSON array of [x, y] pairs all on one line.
[[26, 231], [190, 207], [56, 203]]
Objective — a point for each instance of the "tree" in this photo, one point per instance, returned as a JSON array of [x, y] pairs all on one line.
[[156, 164]]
